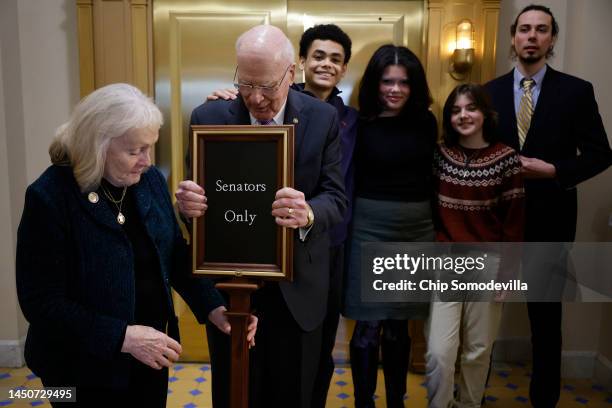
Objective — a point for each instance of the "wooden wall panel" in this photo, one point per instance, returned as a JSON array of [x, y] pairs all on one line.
[[490, 21], [443, 16], [142, 63], [115, 43], [86, 46], [111, 42], [433, 65]]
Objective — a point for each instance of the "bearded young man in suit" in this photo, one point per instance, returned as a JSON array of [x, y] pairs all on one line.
[[291, 313], [552, 120]]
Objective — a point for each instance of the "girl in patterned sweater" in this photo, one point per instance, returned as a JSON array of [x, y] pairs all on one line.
[[479, 198]]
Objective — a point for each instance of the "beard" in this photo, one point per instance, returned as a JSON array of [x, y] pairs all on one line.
[[530, 59]]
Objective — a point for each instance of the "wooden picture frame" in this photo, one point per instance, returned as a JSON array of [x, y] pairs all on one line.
[[241, 168]]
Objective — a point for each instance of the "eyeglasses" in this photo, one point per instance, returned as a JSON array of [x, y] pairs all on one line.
[[266, 90]]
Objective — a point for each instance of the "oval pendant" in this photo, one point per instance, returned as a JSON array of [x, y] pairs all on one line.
[[93, 197], [120, 218]]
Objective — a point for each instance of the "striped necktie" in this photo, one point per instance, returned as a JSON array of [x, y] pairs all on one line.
[[266, 122], [523, 119]]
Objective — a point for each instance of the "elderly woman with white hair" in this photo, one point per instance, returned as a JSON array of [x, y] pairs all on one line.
[[98, 250]]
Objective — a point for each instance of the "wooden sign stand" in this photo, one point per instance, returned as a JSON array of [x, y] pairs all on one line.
[[239, 290]]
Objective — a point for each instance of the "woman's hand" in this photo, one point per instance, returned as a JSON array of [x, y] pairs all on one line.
[[218, 318], [150, 346]]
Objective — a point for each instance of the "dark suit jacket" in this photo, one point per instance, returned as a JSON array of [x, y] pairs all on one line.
[[318, 175], [347, 117], [565, 120], [75, 277]]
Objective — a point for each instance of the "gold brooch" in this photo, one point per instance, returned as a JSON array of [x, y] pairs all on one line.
[[93, 197]]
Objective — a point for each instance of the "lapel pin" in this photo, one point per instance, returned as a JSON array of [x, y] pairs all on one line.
[[295, 121], [93, 197]]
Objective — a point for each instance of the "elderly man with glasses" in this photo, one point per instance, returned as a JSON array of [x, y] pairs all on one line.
[[291, 313]]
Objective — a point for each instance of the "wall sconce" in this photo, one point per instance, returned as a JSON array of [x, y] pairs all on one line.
[[463, 56]]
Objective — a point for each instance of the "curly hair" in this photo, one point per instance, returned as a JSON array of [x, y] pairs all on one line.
[[329, 32]]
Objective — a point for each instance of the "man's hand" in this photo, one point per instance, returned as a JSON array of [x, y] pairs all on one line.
[[218, 318], [290, 209], [536, 168], [225, 94], [150, 346], [190, 199]]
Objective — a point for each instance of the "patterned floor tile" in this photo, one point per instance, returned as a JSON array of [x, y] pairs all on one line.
[[189, 387]]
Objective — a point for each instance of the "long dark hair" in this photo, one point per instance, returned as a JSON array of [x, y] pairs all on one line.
[[479, 96], [419, 101]]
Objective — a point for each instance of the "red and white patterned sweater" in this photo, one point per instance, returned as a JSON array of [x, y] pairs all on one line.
[[479, 194]]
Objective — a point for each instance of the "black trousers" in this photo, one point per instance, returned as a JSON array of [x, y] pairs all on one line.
[[325, 370], [545, 270], [545, 385], [394, 342], [282, 367]]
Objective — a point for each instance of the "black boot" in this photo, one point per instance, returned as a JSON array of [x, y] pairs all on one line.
[[395, 345], [364, 362]]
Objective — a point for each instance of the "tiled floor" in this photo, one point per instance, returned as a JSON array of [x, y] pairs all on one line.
[[189, 387]]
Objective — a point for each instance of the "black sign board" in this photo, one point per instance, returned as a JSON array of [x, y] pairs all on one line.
[[241, 168]]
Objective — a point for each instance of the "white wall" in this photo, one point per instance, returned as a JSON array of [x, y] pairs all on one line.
[[590, 56], [49, 68], [38, 87], [9, 331], [12, 152]]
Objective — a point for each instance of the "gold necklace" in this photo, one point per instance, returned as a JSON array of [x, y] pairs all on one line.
[[118, 203]]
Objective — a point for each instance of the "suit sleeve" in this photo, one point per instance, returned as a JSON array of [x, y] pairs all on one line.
[[511, 212], [512, 202], [592, 143], [44, 254], [194, 121], [329, 201], [199, 292]]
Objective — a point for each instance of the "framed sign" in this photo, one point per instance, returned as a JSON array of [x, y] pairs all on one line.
[[241, 168]]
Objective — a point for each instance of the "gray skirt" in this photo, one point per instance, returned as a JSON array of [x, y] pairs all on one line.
[[383, 221]]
